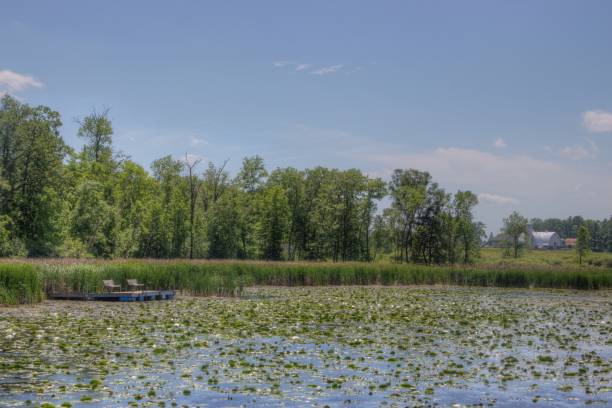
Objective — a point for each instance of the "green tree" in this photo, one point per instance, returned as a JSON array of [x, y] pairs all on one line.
[[408, 190], [9, 244], [97, 130], [32, 154], [582, 243], [224, 225], [515, 226], [469, 233], [252, 176], [273, 214], [292, 181], [134, 199], [171, 221], [95, 222]]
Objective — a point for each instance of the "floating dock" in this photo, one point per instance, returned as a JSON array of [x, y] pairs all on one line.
[[135, 296]]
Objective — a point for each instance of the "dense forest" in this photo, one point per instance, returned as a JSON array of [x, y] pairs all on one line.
[[55, 201]]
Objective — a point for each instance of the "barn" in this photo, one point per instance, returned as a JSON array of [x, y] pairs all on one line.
[[570, 242], [545, 240]]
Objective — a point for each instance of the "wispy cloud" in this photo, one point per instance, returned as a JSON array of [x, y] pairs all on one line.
[[196, 141], [14, 82], [298, 66], [332, 69], [301, 67], [534, 185], [354, 70], [280, 64], [597, 121], [576, 152], [500, 143], [314, 70], [579, 152], [496, 199]]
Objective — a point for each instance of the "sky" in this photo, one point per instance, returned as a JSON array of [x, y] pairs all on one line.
[[511, 100]]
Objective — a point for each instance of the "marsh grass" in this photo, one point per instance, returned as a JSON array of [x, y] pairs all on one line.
[[25, 283], [185, 277], [20, 284]]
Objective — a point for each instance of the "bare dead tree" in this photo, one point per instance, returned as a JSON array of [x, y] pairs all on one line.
[[194, 190], [214, 180]]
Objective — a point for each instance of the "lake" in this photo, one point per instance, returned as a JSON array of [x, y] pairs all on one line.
[[348, 346]]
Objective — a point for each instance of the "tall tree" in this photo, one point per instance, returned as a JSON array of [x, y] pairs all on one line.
[[32, 168], [97, 130], [408, 190], [515, 226], [582, 243], [469, 233], [171, 221], [272, 226], [253, 174], [94, 221], [194, 190]]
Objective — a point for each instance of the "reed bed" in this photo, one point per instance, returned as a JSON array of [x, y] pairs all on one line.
[[185, 277], [26, 283], [19, 284]]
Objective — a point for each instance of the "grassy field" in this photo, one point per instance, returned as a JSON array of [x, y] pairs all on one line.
[[565, 258], [28, 281]]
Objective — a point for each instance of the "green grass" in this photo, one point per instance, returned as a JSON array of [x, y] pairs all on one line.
[[563, 258], [26, 283], [188, 278], [20, 283]]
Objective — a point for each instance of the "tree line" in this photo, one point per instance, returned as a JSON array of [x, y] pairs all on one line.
[[56, 201], [96, 202]]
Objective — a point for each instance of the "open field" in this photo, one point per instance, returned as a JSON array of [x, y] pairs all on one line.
[[27, 282], [352, 346], [565, 257]]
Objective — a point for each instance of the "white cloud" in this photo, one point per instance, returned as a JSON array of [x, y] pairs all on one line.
[[298, 66], [280, 64], [597, 121], [496, 199], [13, 82], [500, 143], [576, 152], [327, 70], [542, 188], [594, 147], [541, 183], [301, 66], [468, 169], [195, 141]]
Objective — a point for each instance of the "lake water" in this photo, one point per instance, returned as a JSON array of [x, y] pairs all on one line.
[[339, 346]]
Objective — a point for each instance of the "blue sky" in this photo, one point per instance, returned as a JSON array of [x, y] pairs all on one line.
[[512, 100]]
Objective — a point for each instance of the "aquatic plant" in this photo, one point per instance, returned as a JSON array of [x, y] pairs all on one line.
[[408, 346], [20, 283]]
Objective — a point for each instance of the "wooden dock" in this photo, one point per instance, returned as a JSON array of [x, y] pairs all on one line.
[[134, 296]]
